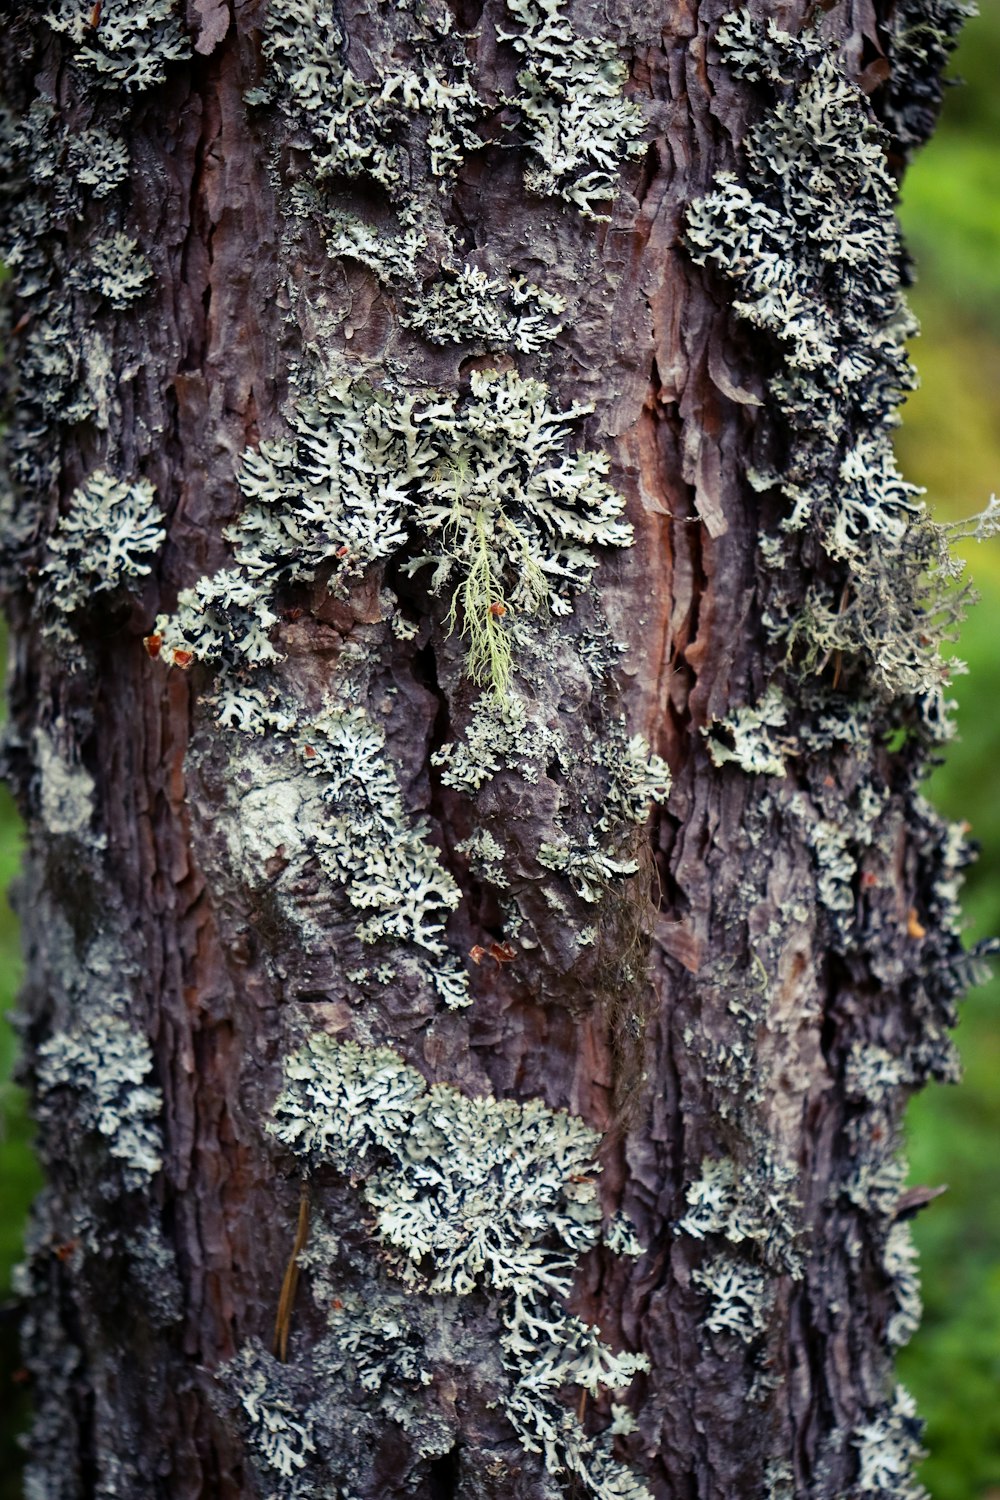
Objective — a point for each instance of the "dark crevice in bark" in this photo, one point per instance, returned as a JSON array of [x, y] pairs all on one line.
[[443, 1475]]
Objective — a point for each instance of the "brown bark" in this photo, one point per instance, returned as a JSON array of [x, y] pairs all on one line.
[[728, 1031]]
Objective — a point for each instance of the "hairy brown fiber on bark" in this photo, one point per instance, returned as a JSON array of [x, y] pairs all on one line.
[[429, 423]]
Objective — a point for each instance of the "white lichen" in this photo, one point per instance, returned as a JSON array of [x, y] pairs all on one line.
[[497, 735], [621, 1238], [588, 869], [281, 1438], [740, 1297], [751, 738], [98, 160]]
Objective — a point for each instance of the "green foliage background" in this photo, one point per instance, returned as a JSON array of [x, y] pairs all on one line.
[[950, 442]]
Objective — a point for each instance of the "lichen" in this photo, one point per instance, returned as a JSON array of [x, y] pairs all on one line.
[[356, 127], [281, 1439], [65, 791], [472, 307], [739, 1293], [824, 286], [105, 1063], [475, 1196], [921, 36], [755, 1207], [899, 1262], [109, 533], [511, 520], [130, 44], [575, 118], [888, 1447], [119, 270], [752, 738], [339, 801]]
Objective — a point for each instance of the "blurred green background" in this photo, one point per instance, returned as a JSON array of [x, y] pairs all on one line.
[[950, 442]]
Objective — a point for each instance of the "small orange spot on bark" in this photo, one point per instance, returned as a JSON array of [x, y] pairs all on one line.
[[152, 644], [913, 925]]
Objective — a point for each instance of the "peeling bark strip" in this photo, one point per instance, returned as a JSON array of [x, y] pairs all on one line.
[[428, 423]]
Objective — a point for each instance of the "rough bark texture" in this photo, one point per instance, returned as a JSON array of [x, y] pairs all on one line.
[[738, 994]]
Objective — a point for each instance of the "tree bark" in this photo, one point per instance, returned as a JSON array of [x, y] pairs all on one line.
[[349, 875]]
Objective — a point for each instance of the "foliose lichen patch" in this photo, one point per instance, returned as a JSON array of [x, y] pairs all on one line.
[[824, 286], [474, 1197]]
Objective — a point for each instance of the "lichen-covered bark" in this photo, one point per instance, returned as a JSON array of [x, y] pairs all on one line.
[[429, 423]]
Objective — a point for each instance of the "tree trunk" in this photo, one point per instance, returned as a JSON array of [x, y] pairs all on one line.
[[430, 422]]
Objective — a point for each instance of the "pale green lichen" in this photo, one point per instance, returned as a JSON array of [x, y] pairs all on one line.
[[577, 122], [823, 284], [327, 790], [105, 1063], [751, 738], [509, 517], [105, 540], [754, 1206], [130, 43], [900, 1264], [119, 270], [356, 126], [471, 307], [888, 1448], [485, 854], [65, 792], [475, 1195]]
